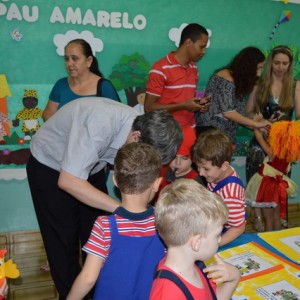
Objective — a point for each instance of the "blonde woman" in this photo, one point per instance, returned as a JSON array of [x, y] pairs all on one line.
[[276, 98]]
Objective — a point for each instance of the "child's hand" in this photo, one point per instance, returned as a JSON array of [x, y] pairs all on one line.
[[276, 116], [222, 271]]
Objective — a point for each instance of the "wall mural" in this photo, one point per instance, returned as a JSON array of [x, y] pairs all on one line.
[[128, 40], [129, 75]]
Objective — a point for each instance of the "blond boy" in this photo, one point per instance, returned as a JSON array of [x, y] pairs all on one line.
[[190, 219]]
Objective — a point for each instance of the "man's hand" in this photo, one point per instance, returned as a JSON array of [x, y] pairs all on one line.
[[198, 104]]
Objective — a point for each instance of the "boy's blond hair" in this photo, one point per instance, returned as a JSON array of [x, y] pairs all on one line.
[[136, 167], [186, 208], [213, 145]]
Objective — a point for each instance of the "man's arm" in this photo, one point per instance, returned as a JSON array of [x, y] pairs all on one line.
[[83, 191]]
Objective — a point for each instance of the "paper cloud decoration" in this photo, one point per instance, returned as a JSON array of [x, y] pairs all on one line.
[[61, 40], [175, 34]]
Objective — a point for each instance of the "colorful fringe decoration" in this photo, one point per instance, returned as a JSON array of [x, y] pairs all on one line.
[[284, 140]]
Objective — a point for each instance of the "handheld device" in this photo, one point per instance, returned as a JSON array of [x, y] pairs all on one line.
[[208, 99]]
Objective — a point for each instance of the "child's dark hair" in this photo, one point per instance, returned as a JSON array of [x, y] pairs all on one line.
[[213, 145], [136, 167]]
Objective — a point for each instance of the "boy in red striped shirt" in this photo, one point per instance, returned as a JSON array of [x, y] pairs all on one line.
[[124, 249], [212, 154]]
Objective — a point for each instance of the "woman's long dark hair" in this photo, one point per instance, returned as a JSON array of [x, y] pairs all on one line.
[[87, 51], [243, 69]]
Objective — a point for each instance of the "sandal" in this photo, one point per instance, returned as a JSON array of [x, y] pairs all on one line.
[[258, 224], [284, 224]]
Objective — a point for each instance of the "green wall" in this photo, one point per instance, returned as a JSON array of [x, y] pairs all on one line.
[[234, 24], [32, 62]]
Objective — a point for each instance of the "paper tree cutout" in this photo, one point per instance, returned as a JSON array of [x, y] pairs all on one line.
[[285, 17]]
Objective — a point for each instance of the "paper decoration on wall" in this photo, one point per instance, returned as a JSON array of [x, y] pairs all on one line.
[[284, 17], [175, 34], [30, 115], [4, 92], [16, 35], [61, 40], [288, 1], [3, 132], [130, 75]]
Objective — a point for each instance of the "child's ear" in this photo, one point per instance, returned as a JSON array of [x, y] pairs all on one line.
[[225, 165], [156, 184], [196, 242], [114, 180]]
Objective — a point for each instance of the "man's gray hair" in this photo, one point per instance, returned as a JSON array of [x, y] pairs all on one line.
[[159, 129]]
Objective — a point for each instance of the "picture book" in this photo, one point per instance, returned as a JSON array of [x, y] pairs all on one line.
[[285, 241], [253, 260], [278, 285]]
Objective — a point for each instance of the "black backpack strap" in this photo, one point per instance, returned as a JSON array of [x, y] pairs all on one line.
[[201, 266], [174, 278], [99, 88]]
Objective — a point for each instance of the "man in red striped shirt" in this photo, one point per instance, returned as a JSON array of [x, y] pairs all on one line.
[[212, 154], [173, 80]]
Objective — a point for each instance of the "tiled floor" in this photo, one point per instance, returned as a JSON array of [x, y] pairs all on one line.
[[27, 251]]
